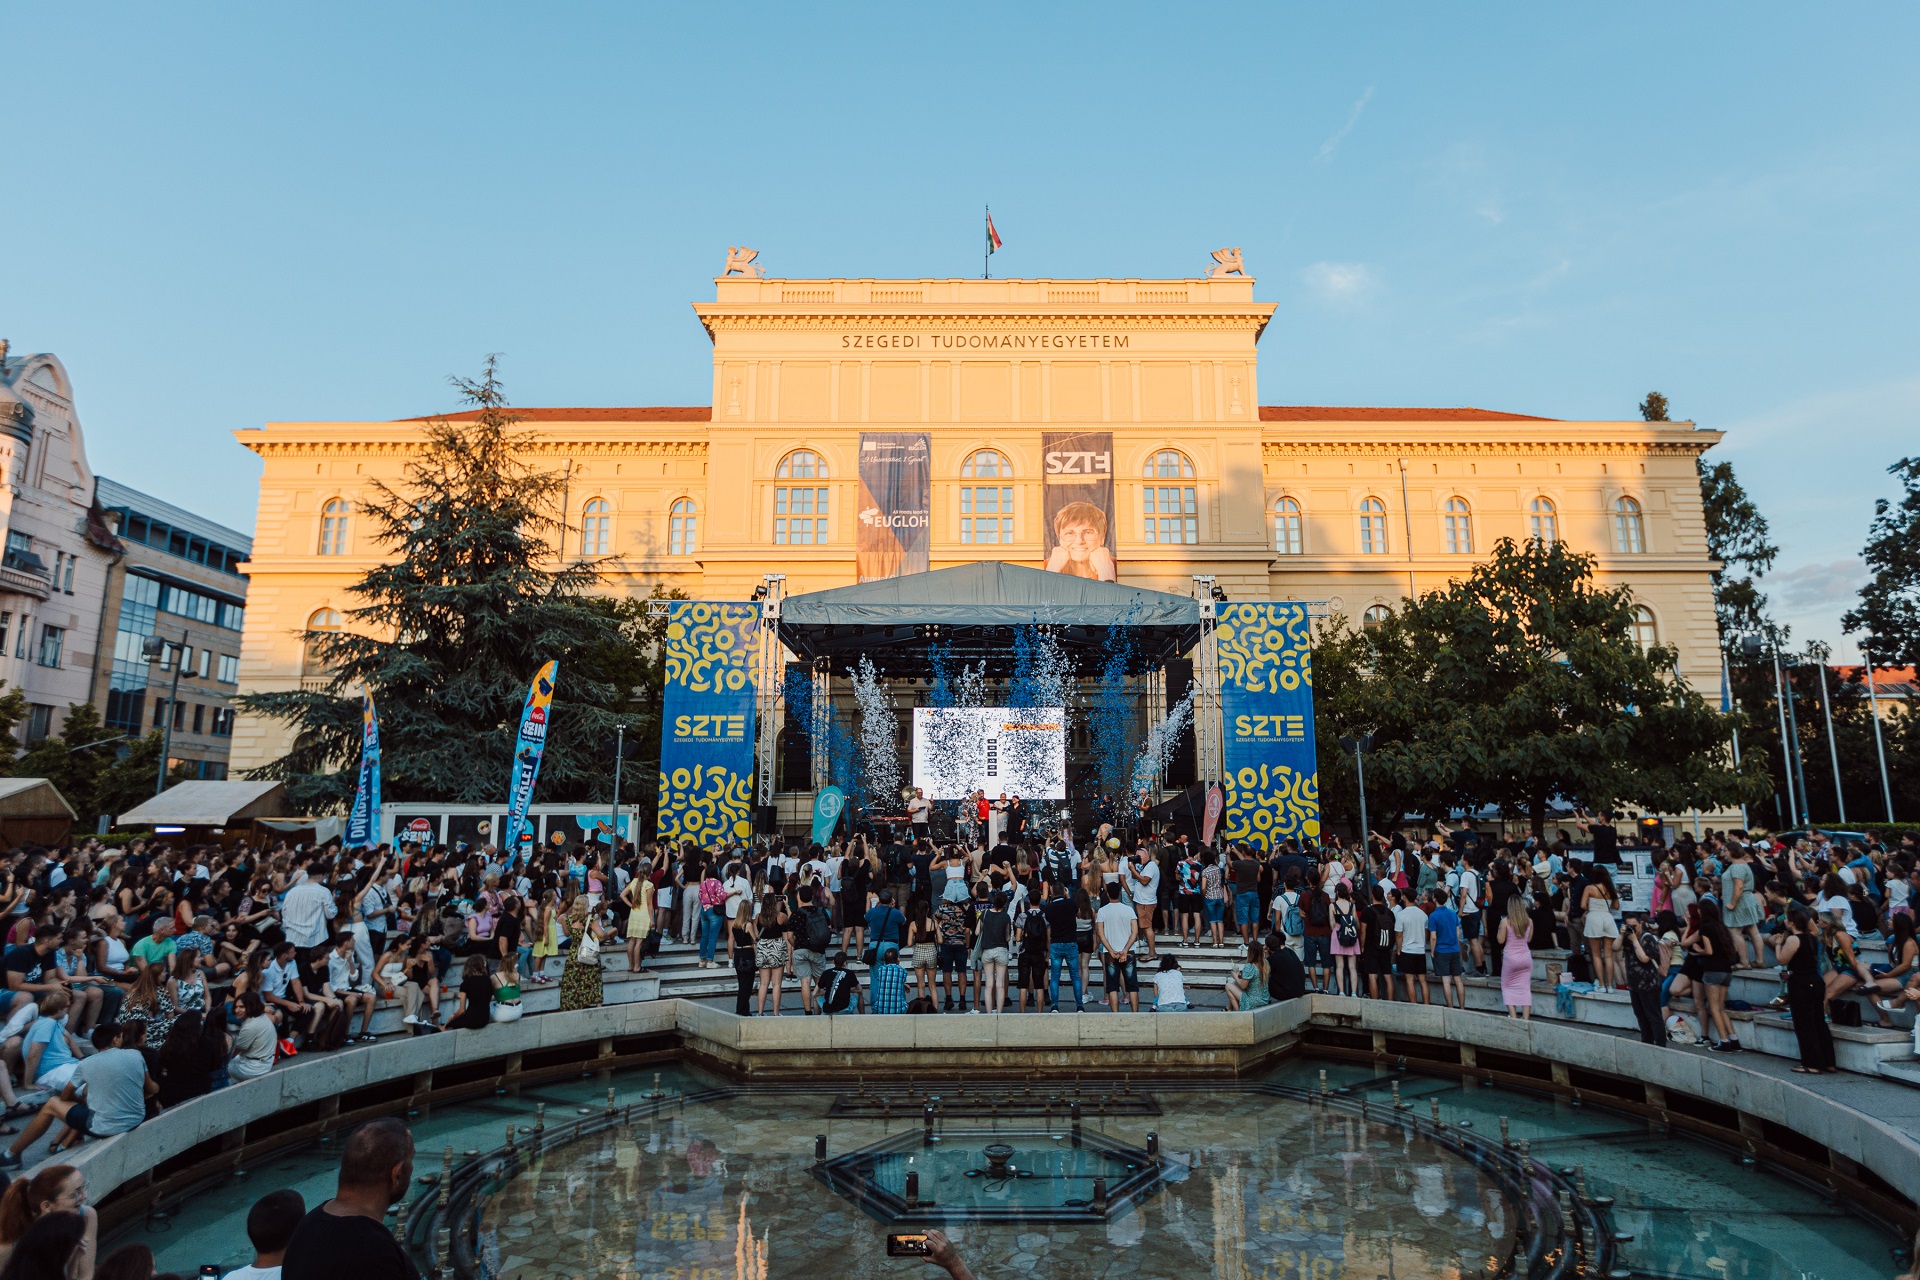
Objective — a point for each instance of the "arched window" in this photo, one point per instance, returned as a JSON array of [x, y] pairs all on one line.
[[1629, 530], [333, 528], [1374, 616], [802, 464], [1169, 464], [596, 528], [1287, 540], [800, 511], [986, 463], [323, 620], [683, 528], [1373, 527], [1458, 518], [986, 510], [1646, 632], [1543, 522], [1171, 512]]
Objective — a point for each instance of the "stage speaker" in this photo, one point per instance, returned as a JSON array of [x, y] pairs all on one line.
[[766, 820]]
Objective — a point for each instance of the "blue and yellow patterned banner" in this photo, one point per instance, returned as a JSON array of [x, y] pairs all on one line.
[[706, 743], [1266, 698]]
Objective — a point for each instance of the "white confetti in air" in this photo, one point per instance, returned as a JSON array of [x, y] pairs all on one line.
[[879, 735], [1151, 763]]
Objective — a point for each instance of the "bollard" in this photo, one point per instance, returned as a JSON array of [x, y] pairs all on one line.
[[443, 1249], [1099, 1195], [539, 1117], [1323, 1084], [511, 1131], [819, 1148], [926, 1119], [1126, 1082], [1153, 1143], [656, 1084], [611, 1108], [1076, 1123], [1503, 1132], [913, 1191], [1397, 1104], [1436, 1110]]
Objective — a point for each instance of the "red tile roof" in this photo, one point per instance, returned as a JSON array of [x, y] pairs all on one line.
[[1325, 413], [647, 413], [1892, 682]]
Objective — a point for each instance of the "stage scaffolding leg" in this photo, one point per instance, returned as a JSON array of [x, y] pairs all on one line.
[[1208, 746], [817, 732], [772, 675], [1156, 714]]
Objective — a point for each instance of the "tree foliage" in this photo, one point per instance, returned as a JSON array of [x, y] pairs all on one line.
[[1889, 609], [1737, 537], [469, 602], [96, 769], [1654, 407], [1519, 685]]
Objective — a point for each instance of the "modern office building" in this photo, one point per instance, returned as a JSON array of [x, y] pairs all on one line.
[[178, 579], [861, 428], [59, 551]]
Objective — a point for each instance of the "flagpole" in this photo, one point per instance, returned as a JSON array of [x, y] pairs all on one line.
[[986, 256]]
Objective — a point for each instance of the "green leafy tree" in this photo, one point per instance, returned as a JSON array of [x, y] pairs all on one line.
[[450, 629], [1889, 609], [1737, 537], [96, 769], [1654, 407], [1521, 683]]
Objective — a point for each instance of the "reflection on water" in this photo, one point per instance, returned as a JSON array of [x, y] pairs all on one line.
[[1258, 1188]]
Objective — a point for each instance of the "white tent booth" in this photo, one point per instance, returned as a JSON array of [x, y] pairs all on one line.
[[427, 823]]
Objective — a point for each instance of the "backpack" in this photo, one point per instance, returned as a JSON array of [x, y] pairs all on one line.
[[818, 933], [1347, 929], [1059, 867], [1293, 925], [776, 875], [1033, 929], [1318, 909]]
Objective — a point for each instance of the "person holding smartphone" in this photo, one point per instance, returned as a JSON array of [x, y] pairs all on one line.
[[935, 1248]]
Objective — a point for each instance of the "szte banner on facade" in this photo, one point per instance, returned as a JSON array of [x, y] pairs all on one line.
[[1266, 698], [706, 746]]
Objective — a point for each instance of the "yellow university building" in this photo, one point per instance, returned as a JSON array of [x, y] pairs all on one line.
[[1018, 386]]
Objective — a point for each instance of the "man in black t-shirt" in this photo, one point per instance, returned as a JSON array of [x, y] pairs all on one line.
[[347, 1234], [1606, 837], [1063, 947]]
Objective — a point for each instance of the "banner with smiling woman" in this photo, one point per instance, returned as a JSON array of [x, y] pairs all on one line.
[[707, 735], [1076, 509], [527, 750]]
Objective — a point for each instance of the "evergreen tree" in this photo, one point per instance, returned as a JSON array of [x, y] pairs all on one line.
[[1654, 407], [1521, 684], [450, 629], [1889, 609], [1737, 537]]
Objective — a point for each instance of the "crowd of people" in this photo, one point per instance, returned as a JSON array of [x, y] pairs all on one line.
[[138, 978]]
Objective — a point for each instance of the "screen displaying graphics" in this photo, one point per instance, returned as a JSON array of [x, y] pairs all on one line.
[[1019, 750]]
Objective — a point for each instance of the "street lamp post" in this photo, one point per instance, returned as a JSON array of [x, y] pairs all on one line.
[[1360, 744], [1879, 744], [153, 649], [619, 758], [1795, 763]]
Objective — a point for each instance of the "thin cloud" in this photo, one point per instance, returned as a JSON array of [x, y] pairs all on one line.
[[1332, 144], [1816, 586], [1340, 282]]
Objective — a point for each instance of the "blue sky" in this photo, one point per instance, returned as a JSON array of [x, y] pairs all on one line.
[[221, 216]]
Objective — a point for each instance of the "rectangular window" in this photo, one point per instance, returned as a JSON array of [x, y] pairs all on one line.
[[159, 712], [52, 640], [19, 544], [199, 716], [799, 517], [1171, 514], [6, 620], [1373, 535], [206, 658], [179, 716], [20, 643], [229, 669], [39, 722], [70, 563], [986, 514]]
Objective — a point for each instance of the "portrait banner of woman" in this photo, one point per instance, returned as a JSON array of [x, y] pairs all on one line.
[[1077, 512]]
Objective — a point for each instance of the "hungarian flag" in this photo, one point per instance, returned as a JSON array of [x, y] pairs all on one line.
[[993, 237]]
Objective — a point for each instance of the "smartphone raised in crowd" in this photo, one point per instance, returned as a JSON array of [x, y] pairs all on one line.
[[907, 1246]]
